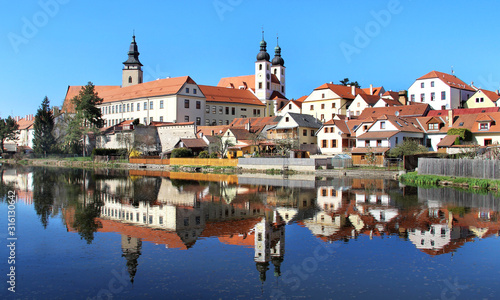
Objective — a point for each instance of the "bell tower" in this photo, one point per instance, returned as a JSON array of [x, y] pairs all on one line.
[[263, 73], [132, 69], [278, 67]]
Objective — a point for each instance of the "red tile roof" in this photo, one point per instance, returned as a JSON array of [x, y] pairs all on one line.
[[448, 141], [74, 90], [247, 81], [340, 124], [391, 102], [25, 123], [370, 99], [462, 111], [376, 90], [392, 94], [493, 96], [211, 130], [258, 121], [228, 95], [416, 110], [341, 90], [167, 86], [448, 79]]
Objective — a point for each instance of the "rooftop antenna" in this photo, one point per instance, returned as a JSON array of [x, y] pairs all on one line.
[[452, 71]]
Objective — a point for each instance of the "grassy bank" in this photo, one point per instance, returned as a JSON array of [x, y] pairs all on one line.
[[434, 180]]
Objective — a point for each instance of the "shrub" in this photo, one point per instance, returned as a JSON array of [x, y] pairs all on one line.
[[135, 153], [182, 152], [204, 154], [110, 152], [213, 155]]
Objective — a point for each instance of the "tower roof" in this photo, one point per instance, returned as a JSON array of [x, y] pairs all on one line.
[[263, 55], [278, 60], [133, 54]]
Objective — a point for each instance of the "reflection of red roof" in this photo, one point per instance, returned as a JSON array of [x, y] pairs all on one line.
[[234, 232], [157, 236]]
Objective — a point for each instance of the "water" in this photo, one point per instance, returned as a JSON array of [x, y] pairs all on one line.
[[117, 234]]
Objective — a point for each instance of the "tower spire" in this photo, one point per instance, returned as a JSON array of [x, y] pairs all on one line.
[[263, 55]]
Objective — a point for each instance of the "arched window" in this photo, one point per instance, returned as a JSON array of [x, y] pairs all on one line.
[[260, 66], [130, 79]]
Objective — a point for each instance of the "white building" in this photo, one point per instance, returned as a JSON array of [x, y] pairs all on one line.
[[440, 91]]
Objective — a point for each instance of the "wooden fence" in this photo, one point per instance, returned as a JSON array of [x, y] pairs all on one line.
[[149, 161], [474, 168]]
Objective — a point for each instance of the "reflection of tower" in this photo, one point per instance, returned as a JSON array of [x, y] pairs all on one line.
[[269, 244], [131, 249]]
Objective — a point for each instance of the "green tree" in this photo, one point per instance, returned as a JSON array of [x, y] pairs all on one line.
[[222, 145], [87, 119], [43, 140], [346, 82], [86, 103], [8, 130], [407, 147]]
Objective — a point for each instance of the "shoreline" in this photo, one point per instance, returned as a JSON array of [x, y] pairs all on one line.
[[364, 173]]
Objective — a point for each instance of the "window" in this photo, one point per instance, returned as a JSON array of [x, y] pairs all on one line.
[[186, 103], [194, 91], [198, 104], [326, 129], [160, 220], [332, 129], [412, 97], [304, 132], [120, 107], [138, 106], [150, 120], [130, 79], [312, 132], [322, 117], [128, 107], [382, 125], [145, 105], [113, 109], [198, 121], [207, 109], [334, 143], [282, 89], [233, 111], [220, 122], [214, 109], [379, 143], [145, 121], [312, 107], [433, 126], [268, 86], [207, 122], [487, 142], [433, 96], [396, 142], [161, 118], [221, 110], [186, 118], [286, 119], [132, 107], [422, 85], [227, 111], [358, 104], [481, 99], [151, 105], [422, 97], [260, 85], [443, 95], [432, 83], [289, 106], [484, 126], [323, 95], [333, 105], [323, 144], [260, 66], [187, 90], [323, 106]]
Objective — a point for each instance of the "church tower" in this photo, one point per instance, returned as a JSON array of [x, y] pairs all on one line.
[[278, 68], [263, 74], [132, 71]]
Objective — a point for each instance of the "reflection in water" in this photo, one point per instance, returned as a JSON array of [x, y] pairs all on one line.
[[178, 209]]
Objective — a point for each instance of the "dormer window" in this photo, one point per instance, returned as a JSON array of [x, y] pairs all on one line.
[[484, 126], [434, 126]]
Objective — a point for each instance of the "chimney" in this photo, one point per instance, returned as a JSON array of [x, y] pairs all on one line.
[[450, 118], [353, 90], [371, 89], [497, 92]]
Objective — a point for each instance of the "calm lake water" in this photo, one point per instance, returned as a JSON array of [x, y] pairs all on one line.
[[157, 235]]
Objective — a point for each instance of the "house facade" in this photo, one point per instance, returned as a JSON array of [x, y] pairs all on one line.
[[440, 91], [483, 98], [328, 100]]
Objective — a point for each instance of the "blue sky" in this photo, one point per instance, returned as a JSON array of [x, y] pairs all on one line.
[[389, 43]]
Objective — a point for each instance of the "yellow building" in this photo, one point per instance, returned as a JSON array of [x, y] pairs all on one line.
[[328, 100], [483, 98]]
